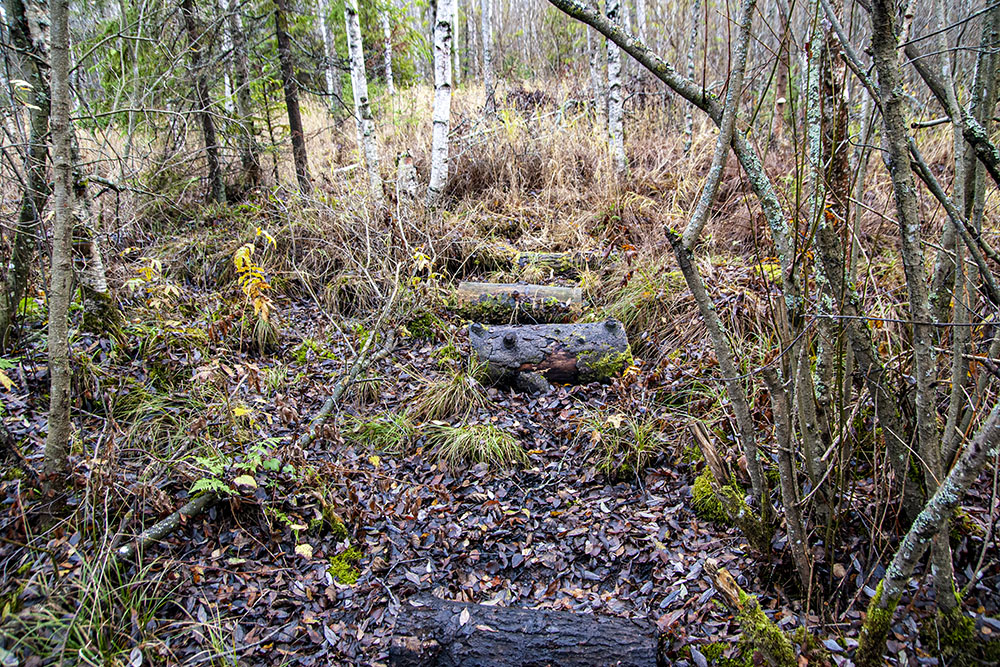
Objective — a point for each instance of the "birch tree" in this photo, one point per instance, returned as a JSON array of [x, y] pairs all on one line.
[[362, 106], [442, 101], [456, 55], [331, 74], [57, 439], [486, 39], [387, 50], [616, 134]]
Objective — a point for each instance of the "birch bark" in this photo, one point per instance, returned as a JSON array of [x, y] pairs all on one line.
[[362, 105], [616, 134], [442, 101]]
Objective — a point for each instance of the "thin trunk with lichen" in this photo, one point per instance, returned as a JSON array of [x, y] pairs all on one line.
[[291, 87], [362, 104], [217, 189], [57, 440], [616, 131]]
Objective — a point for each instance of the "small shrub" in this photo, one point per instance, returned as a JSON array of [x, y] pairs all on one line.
[[476, 443]]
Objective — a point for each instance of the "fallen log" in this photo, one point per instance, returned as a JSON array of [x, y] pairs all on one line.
[[432, 632], [504, 303], [564, 353], [568, 264]]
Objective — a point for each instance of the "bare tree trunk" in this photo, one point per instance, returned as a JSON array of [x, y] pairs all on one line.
[[291, 86], [456, 67], [616, 135], [688, 117], [227, 49], [486, 36], [442, 102], [387, 43], [362, 105], [60, 288], [330, 72], [594, 51], [36, 192], [249, 150], [217, 189], [781, 80]]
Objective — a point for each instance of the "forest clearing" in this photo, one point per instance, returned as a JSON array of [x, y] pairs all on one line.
[[499, 332]]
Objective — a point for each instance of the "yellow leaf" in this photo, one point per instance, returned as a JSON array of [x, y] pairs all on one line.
[[246, 480], [616, 420], [304, 550], [240, 411], [374, 460], [8, 384]]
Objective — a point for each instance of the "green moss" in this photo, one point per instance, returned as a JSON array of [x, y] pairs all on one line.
[[691, 455], [343, 566], [598, 366], [300, 353], [425, 325], [871, 642], [952, 637], [761, 635], [704, 501], [504, 309], [961, 525], [713, 651]]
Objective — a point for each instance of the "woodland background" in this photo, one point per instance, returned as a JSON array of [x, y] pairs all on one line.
[[242, 423]]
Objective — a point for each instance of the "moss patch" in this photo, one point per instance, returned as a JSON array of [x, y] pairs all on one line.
[[704, 502], [598, 366], [761, 635], [343, 566], [871, 642]]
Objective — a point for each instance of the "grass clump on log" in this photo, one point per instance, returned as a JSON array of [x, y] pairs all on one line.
[[475, 443]]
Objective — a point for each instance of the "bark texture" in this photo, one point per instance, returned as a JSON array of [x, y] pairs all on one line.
[[249, 148], [291, 87], [362, 105], [433, 632], [564, 353], [442, 101], [616, 132], [61, 280]]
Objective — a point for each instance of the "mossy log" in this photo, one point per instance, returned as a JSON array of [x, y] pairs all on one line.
[[430, 632], [564, 353], [500, 303], [569, 264]]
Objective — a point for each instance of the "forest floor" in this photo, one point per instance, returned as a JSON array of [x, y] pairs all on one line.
[[314, 551]]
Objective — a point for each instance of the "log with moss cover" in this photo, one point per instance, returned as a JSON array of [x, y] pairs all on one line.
[[569, 264], [505, 303], [563, 353]]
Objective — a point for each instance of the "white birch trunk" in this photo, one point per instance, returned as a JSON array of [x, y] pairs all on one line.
[[456, 66], [387, 42], [329, 51], [597, 82], [442, 101], [640, 15], [616, 135], [688, 118], [362, 106], [227, 49], [486, 38]]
